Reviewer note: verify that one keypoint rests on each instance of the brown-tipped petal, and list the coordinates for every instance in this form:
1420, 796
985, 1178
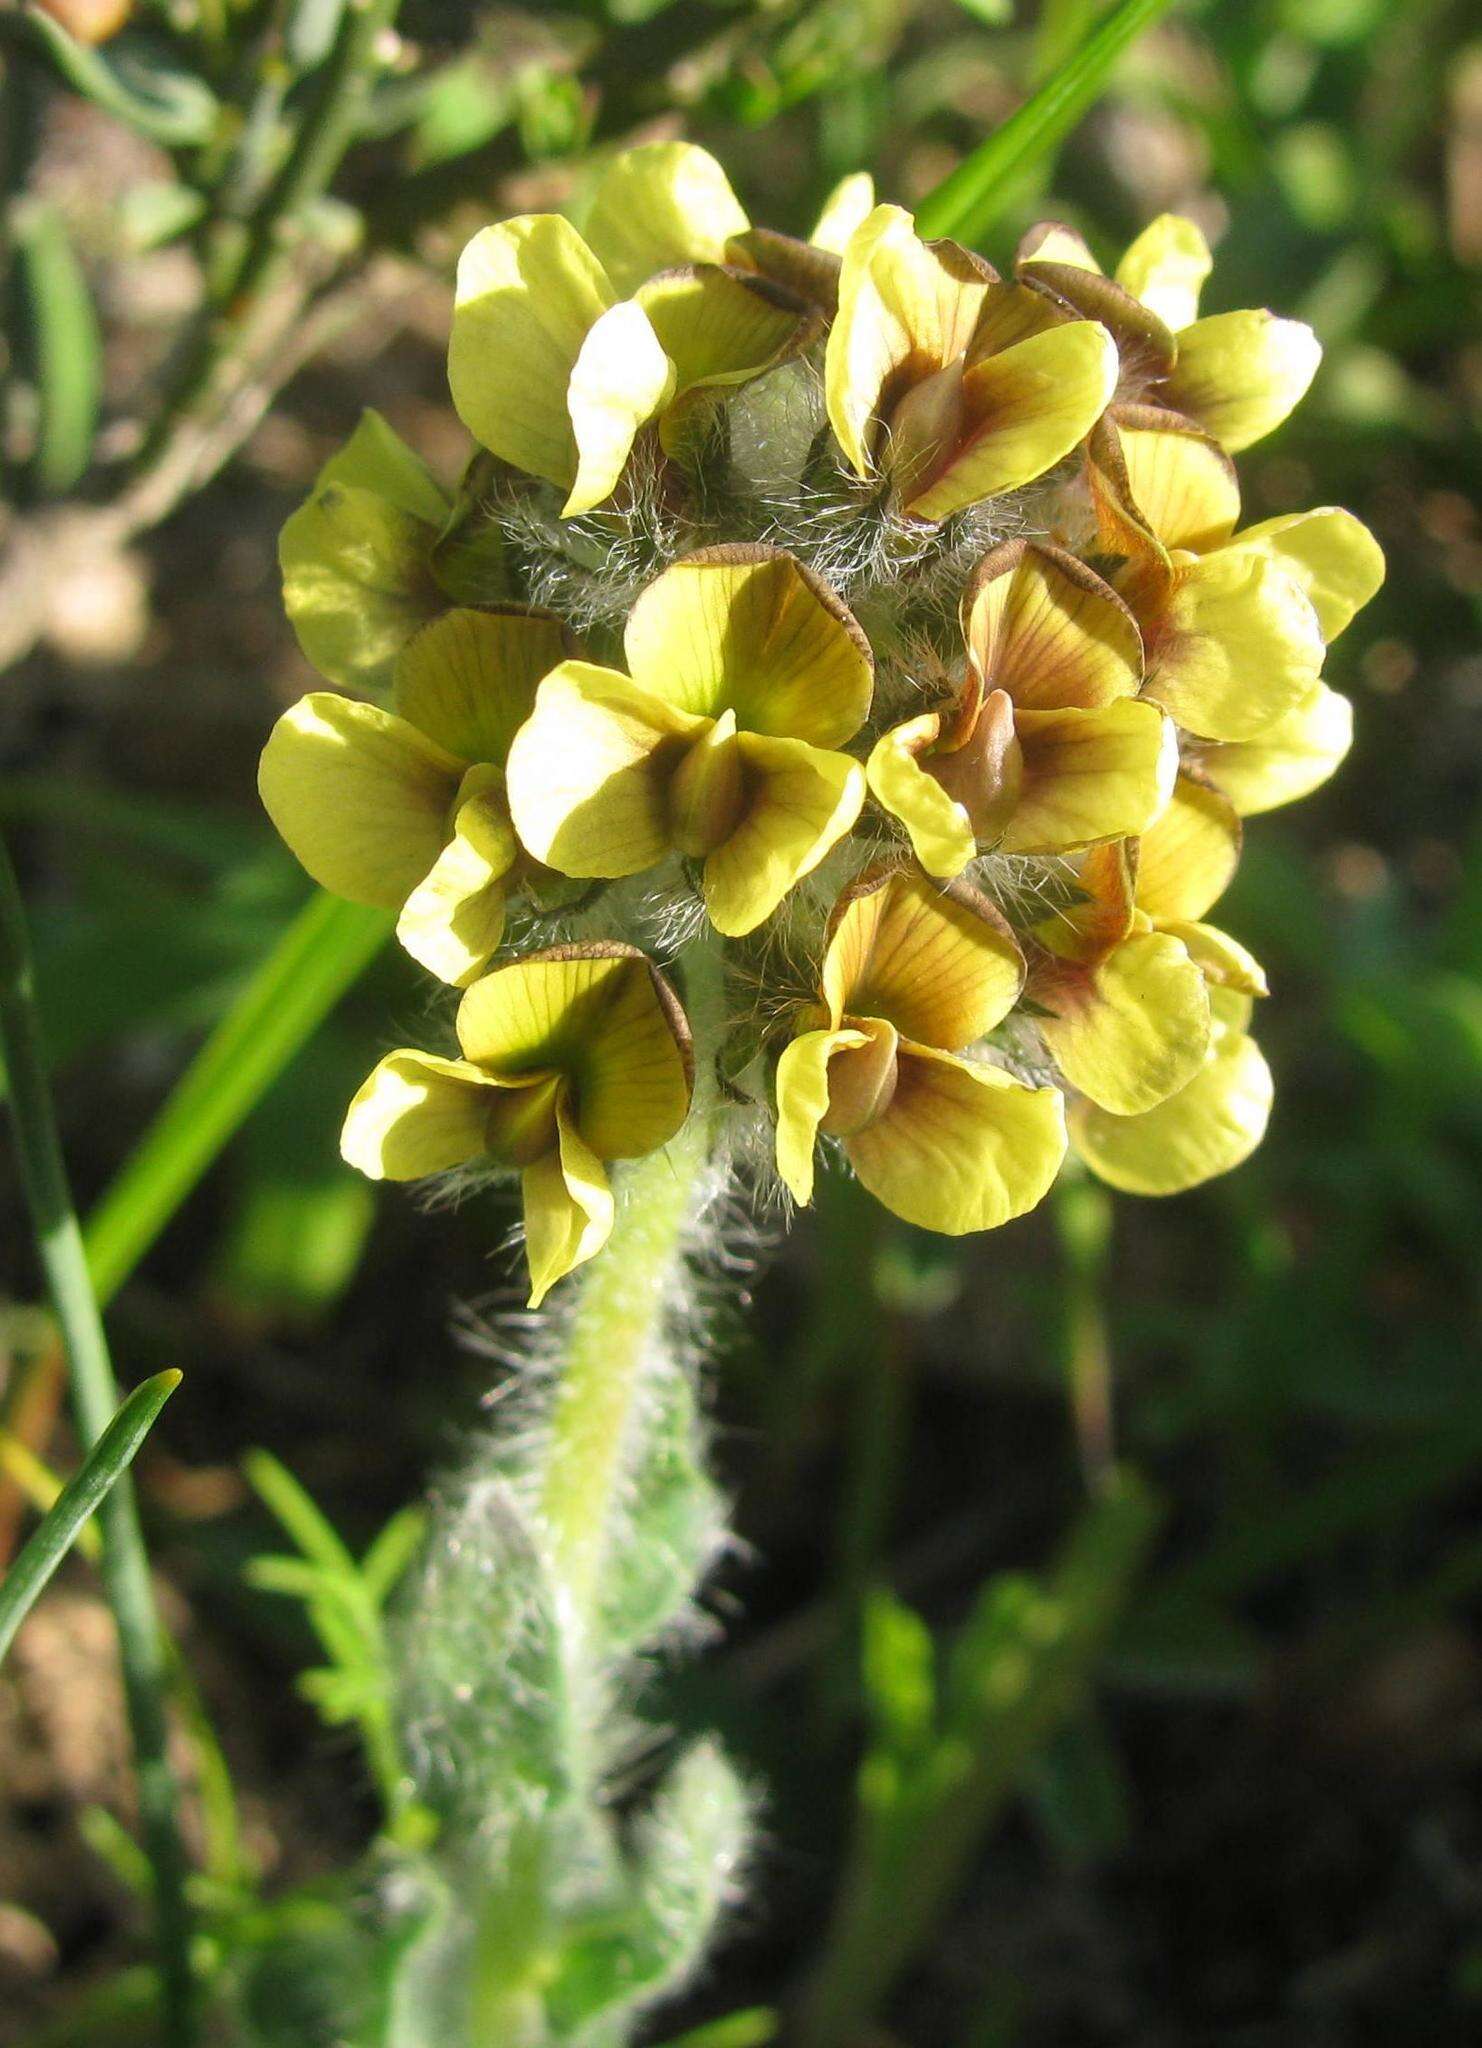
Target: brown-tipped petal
940, 965
1046, 629
1144, 342
1087, 929
800, 267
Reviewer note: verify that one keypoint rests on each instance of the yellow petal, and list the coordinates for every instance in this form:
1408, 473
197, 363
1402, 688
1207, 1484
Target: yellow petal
749, 629
454, 919
1088, 775
1187, 856
940, 831
1239, 374
1146, 348
851, 201
906, 309
619, 382
1051, 241
660, 204
360, 796
1289, 759
1024, 409
799, 803
1205, 1129
942, 967
375, 458
469, 679
1166, 267
589, 771
718, 327
568, 1209
802, 1103
962, 1146
1046, 629
603, 1017
1133, 1029
1181, 481
1222, 961
1233, 645
529, 291
1104, 915
357, 581
416, 1114
1329, 553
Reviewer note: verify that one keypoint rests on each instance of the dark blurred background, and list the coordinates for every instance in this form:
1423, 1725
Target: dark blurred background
1269, 1827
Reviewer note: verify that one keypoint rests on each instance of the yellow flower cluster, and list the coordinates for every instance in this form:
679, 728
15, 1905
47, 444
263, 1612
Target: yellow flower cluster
888, 617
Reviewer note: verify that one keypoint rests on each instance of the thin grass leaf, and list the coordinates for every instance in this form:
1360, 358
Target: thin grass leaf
326, 947
289, 1502
967, 201
110, 1457
754, 2028
62, 344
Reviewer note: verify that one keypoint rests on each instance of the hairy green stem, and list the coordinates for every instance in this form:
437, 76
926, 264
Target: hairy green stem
94, 1401
620, 1314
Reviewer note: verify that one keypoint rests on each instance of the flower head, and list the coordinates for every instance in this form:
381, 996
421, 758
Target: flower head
746, 674
878, 547
910, 976
1047, 747
406, 809
571, 1058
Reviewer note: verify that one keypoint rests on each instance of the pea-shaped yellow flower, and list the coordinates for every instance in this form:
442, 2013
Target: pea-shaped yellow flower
357, 557
1236, 624
912, 975
954, 384
1048, 747
570, 1058
1122, 981
564, 348
406, 809
746, 674
1208, 1127
1236, 375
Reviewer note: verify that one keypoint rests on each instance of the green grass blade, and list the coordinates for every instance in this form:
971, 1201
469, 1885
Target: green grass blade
968, 200
114, 1450
64, 348
59, 1246
326, 948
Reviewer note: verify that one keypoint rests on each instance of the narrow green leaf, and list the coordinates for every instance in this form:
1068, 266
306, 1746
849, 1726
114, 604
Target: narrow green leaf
110, 1456
63, 344
326, 947
278, 1490
754, 2028
969, 199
